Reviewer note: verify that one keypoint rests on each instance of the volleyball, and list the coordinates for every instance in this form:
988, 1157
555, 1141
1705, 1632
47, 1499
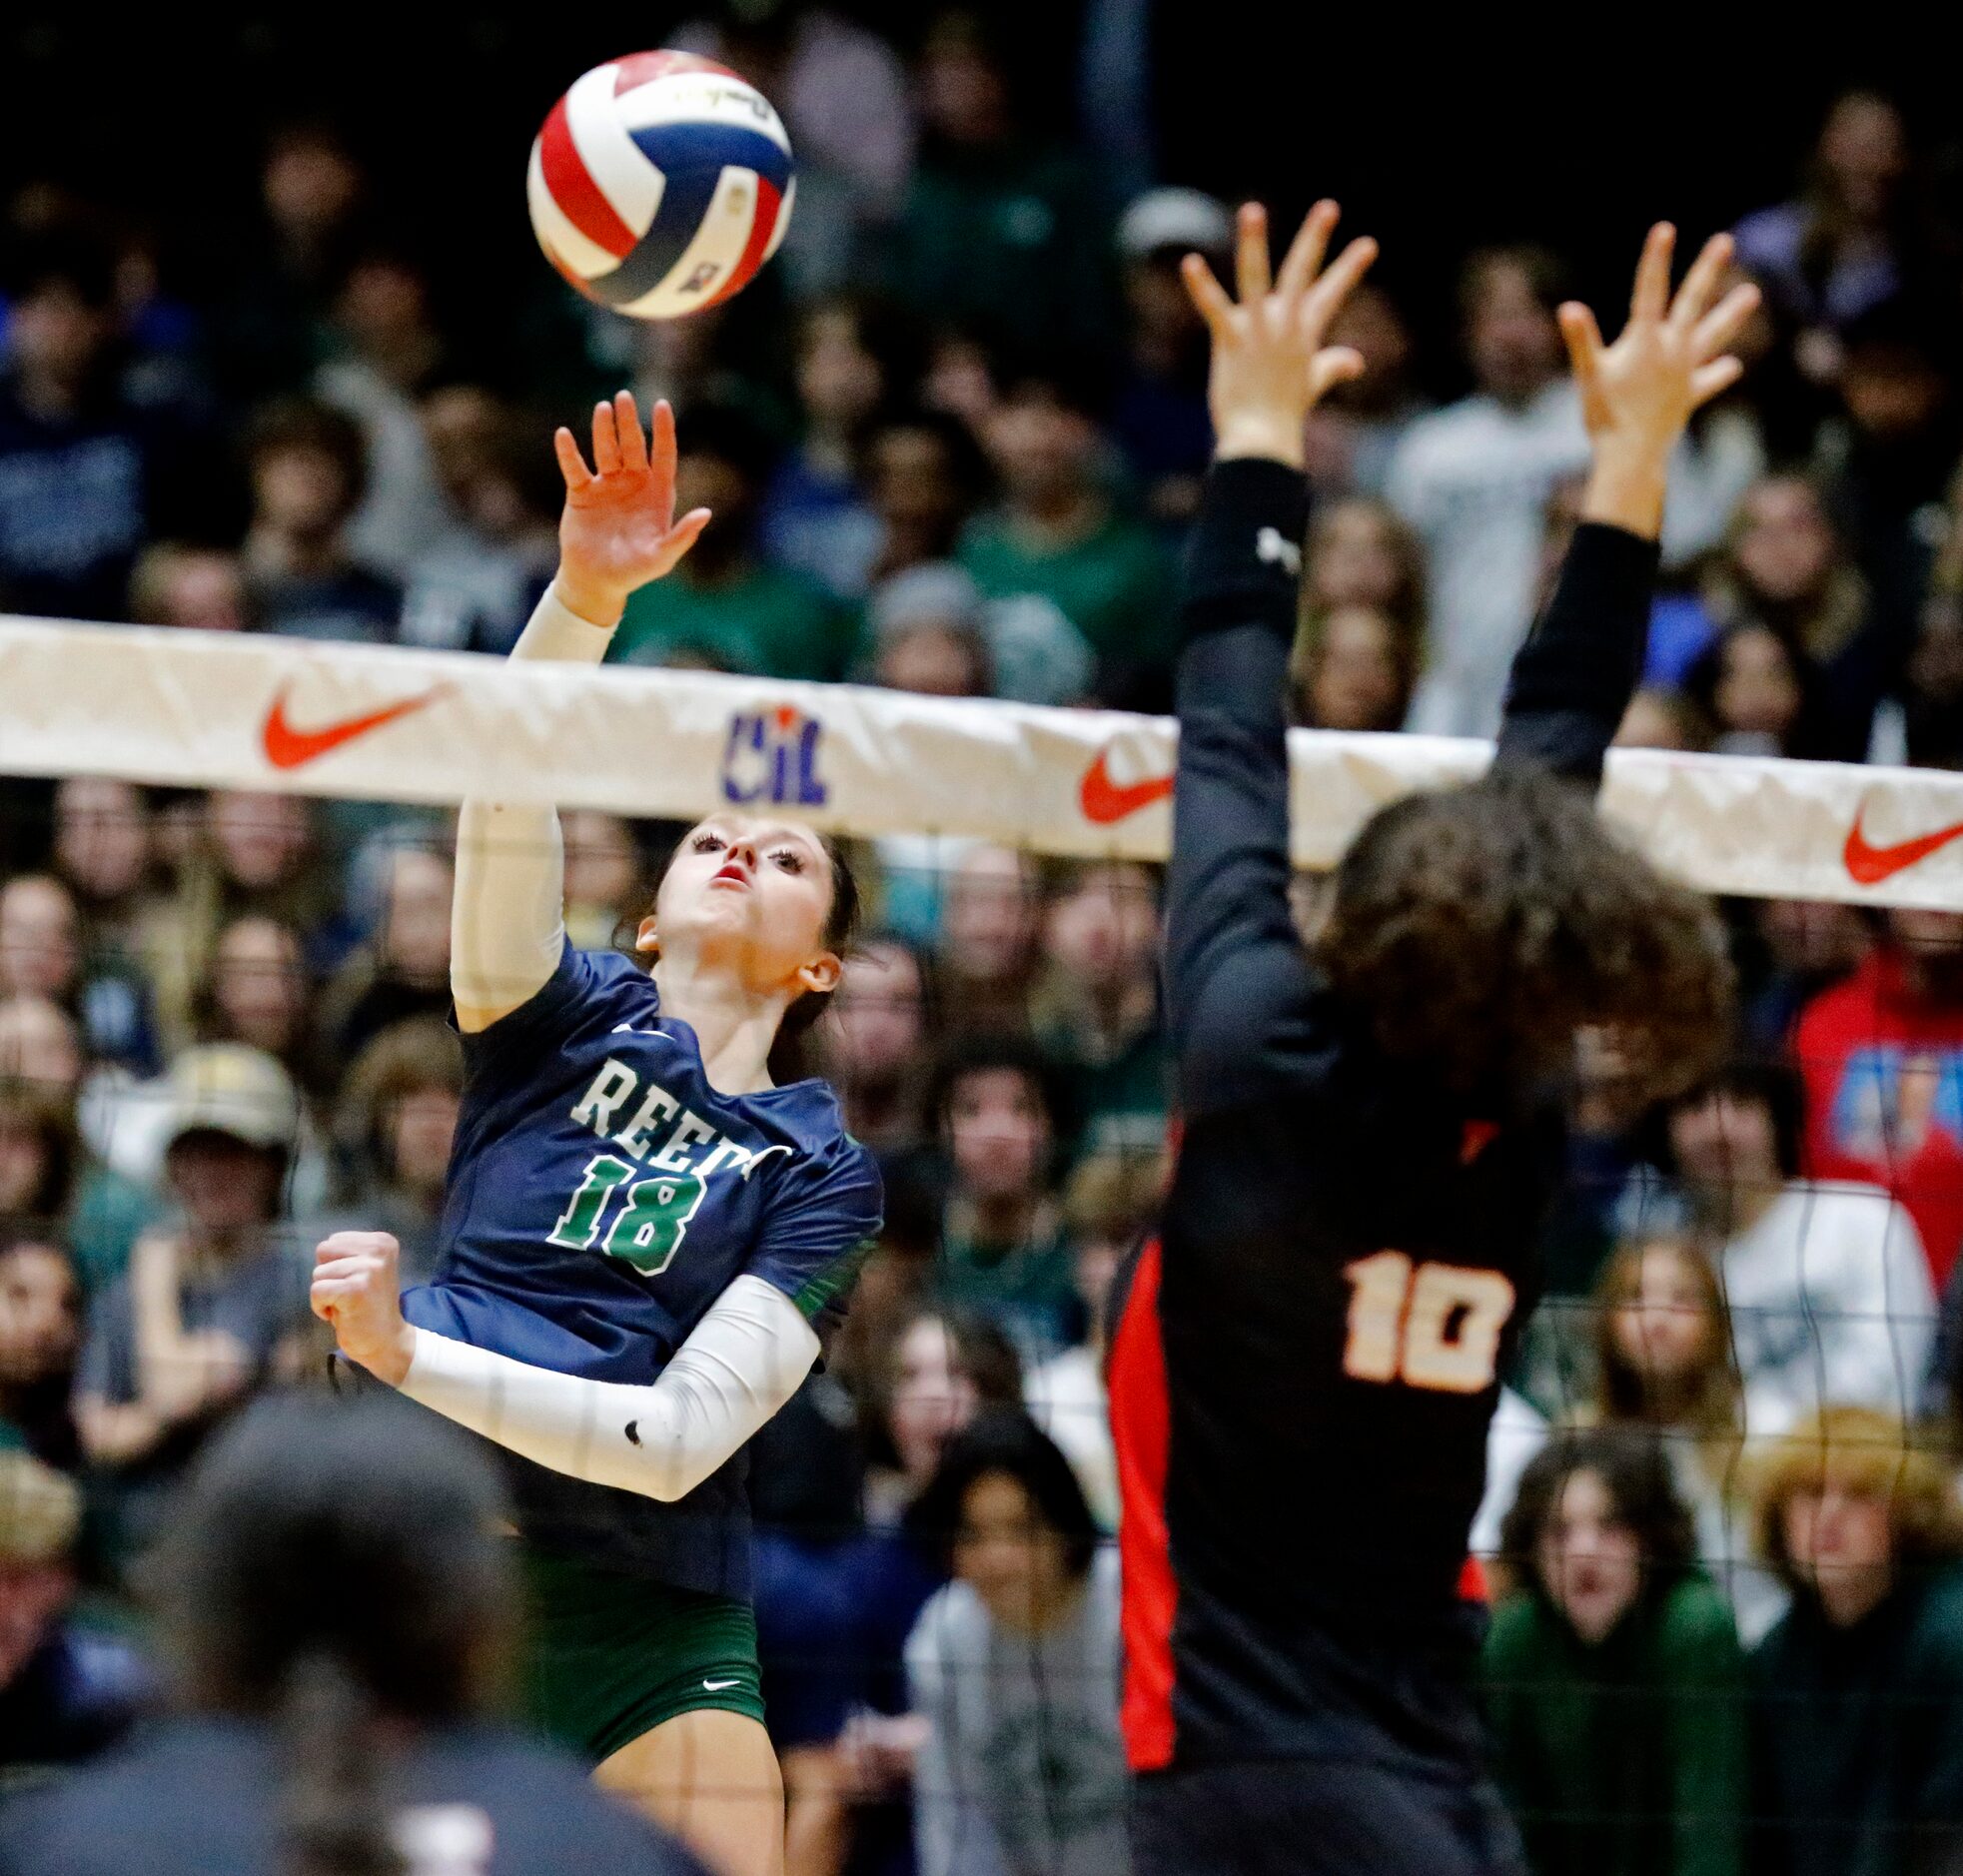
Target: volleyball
660, 183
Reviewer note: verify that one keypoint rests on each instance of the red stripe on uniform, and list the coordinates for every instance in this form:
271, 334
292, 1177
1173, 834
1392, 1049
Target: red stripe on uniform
770, 199
575, 190
1473, 1587
1141, 1428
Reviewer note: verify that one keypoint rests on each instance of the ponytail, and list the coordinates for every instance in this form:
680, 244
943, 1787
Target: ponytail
333, 1820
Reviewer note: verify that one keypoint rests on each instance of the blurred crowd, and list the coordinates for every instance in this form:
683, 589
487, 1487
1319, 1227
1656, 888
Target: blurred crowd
952, 440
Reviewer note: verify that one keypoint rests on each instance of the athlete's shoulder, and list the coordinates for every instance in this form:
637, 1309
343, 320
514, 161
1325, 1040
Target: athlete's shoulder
586, 990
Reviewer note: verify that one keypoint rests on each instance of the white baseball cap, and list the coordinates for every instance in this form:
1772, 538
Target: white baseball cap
227, 1088
1187, 219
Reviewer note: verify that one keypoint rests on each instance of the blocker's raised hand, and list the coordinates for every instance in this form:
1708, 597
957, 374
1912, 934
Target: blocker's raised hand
1673, 354
1270, 365
618, 530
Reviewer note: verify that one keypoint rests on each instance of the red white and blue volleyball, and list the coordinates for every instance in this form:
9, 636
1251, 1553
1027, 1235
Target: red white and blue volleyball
660, 183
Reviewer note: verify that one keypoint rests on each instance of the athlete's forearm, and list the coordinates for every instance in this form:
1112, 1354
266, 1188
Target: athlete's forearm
507, 914
1574, 675
740, 1364
1229, 867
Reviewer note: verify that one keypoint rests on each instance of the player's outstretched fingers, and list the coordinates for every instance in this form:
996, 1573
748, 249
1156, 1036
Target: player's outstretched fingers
661, 455
1209, 297
606, 442
1583, 340
1700, 284
571, 465
1725, 321
1651, 298
1304, 260
1333, 366
1719, 375
1251, 276
1325, 299
626, 427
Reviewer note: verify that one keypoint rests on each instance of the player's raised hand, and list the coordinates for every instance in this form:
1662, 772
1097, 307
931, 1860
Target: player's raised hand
1674, 356
357, 1292
1270, 365
619, 528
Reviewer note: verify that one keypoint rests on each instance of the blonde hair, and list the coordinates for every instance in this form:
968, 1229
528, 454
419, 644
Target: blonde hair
1869, 1454
1709, 1407
40, 1511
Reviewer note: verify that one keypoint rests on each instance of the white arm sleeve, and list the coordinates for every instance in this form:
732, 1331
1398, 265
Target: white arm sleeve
507, 914
740, 1364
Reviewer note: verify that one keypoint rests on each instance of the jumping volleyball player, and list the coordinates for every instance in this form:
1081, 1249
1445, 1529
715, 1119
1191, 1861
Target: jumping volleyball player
643, 1232
1305, 1367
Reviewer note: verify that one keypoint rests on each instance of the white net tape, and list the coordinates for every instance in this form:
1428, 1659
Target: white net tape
218, 710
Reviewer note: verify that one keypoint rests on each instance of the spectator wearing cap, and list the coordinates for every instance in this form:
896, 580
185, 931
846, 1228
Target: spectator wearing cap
66, 1694
212, 1300
725, 607
1159, 417
927, 633
1003, 1250
1059, 535
309, 469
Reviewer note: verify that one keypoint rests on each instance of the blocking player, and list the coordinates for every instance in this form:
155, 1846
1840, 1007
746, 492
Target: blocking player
1304, 1366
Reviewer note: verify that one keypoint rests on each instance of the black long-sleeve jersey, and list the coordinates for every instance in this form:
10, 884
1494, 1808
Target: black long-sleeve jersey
1303, 1365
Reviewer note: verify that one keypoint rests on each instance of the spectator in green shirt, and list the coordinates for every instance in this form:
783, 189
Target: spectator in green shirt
1001, 232
1003, 1247
725, 608
1059, 535
1095, 1010
1614, 1679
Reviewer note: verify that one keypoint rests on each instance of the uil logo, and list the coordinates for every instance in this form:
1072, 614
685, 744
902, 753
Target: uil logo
772, 755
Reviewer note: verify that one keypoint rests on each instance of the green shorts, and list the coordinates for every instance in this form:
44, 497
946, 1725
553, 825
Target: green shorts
609, 1656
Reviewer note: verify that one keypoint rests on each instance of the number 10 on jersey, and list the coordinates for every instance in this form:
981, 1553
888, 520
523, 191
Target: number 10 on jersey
1432, 1326
651, 1223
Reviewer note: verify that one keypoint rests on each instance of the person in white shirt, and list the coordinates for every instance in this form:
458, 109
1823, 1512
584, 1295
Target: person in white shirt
1474, 480
1013, 1668
1112, 1198
1827, 1284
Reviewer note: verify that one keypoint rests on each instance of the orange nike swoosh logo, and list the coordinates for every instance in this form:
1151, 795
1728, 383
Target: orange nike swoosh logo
1869, 866
1104, 800
287, 747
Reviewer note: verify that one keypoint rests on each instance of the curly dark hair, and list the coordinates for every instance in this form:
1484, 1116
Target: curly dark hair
1480, 927
1634, 1469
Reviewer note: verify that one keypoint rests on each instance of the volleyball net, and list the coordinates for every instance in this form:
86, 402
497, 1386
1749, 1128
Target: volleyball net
236, 840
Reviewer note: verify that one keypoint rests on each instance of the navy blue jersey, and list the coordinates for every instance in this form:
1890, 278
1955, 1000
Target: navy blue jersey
601, 1196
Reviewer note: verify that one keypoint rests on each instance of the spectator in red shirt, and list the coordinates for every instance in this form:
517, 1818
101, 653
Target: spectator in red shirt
1882, 1054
